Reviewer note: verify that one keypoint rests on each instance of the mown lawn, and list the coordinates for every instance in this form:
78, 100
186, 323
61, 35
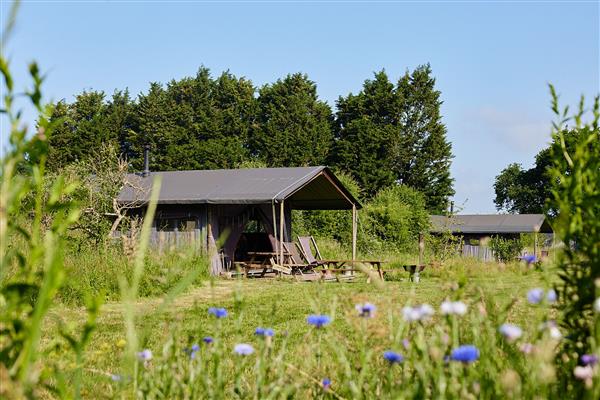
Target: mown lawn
284, 306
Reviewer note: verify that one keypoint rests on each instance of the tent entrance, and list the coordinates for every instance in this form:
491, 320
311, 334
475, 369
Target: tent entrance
255, 236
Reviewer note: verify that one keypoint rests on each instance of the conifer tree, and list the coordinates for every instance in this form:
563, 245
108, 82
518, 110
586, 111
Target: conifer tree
293, 127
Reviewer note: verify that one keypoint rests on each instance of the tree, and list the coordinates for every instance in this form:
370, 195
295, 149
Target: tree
293, 127
80, 129
403, 123
196, 123
526, 191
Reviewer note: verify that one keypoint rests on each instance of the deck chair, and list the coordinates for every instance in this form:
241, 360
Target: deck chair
307, 243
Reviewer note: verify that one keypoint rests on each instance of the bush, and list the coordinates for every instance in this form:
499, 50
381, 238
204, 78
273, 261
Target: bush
395, 217
506, 250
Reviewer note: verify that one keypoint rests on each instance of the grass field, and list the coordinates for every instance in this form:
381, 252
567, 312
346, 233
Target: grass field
284, 306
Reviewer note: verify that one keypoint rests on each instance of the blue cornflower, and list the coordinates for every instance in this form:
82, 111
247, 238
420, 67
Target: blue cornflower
243, 349
529, 258
218, 312
318, 320
535, 296
551, 296
366, 310
466, 353
207, 340
193, 350
264, 332
589, 359
326, 383
393, 357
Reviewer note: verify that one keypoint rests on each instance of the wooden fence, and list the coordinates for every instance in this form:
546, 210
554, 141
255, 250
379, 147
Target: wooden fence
482, 253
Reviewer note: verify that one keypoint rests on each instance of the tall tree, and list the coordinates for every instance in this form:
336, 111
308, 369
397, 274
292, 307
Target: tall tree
293, 127
526, 191
196, 123
404, 122
80, 129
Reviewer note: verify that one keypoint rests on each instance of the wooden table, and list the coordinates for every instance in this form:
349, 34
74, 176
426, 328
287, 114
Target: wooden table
338, 266
267, 260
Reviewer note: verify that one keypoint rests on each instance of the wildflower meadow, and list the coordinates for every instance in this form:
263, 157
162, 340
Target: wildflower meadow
524, 329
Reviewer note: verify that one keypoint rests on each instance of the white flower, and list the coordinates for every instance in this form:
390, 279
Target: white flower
510, 332
583, 373
417, 313
597, 305
555, 333
453, 307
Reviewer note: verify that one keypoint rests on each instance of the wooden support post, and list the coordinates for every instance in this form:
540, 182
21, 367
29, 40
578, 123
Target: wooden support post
281, 223
535, 244
274, 226
353, 234
421, 249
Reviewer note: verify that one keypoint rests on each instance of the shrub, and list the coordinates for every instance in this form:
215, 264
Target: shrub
506, 250
396, 216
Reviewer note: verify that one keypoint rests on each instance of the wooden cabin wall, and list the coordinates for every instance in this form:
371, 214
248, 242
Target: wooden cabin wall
180, 225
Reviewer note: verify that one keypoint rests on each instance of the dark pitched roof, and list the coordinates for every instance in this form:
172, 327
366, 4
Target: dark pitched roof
302, 187
490, 224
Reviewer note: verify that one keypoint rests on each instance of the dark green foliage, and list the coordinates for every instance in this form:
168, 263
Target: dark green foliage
195, 123
506, 250
388, 134
293, 126
576, 198
80, 131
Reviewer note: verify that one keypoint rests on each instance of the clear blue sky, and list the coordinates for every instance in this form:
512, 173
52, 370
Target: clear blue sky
492, 60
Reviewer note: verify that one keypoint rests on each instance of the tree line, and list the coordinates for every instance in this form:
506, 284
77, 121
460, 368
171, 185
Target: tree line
387, 134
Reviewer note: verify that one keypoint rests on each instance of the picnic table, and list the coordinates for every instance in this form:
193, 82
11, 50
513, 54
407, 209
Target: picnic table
266, 260
339, 266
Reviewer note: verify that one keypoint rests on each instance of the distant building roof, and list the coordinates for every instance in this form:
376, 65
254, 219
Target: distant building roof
490, 224
301, 187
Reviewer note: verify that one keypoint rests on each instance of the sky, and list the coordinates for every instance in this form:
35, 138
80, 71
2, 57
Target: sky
492, 60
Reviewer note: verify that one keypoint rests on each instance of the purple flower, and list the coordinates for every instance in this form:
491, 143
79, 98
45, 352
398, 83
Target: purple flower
406, 343
366, 310
207, 340
393, 357
466, 353
529, 258
589, 359
535, 296
326, 383
527, 348
551, 296
193, 350
264, 332
145, 355
318, 320
218, 312
116, 377
243, 349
